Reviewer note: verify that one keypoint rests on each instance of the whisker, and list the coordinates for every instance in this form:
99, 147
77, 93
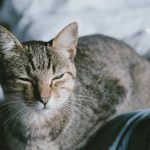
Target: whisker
8, 103
83, 96
6, 122
74, 103
11, 118
11, 107
76, 109
81, 99
16, 110
23, 111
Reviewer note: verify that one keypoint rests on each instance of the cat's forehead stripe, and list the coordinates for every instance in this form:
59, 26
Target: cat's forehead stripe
28, 70
36, 55
53, 68
48, 58
40, 56
30, 58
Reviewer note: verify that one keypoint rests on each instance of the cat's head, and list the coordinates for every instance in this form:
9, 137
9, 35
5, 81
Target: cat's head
39, 75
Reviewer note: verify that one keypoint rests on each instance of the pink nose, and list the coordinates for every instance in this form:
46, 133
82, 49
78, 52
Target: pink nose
45, 100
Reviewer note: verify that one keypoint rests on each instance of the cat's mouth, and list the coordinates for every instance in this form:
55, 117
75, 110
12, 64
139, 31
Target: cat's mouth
50, 105
36, 105
40, 108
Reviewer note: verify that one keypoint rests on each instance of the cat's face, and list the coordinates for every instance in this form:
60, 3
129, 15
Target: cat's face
40, 75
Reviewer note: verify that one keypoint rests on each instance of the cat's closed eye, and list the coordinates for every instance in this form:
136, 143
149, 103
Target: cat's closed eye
62, 79
58, 80
58, 77
23, 80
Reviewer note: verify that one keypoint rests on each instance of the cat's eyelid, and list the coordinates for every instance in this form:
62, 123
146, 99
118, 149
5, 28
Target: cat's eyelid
58, 77
62, 75
71, 74
24, 79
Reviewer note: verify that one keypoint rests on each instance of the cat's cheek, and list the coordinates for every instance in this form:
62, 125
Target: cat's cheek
28, 91
60, 94
53, 104
38, 106
64, 94
57, 101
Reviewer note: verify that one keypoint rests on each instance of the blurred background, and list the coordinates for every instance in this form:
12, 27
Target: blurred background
128, 20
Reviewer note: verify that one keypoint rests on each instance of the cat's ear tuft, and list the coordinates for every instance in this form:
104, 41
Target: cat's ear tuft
66, 40
9, 45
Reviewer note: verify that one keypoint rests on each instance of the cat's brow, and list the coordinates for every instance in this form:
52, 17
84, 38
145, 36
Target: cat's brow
23, 79
48, 58
71, 75
28, 70
30, 58
53, 68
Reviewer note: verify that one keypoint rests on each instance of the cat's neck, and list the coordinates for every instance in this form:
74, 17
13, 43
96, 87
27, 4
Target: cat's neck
38, 126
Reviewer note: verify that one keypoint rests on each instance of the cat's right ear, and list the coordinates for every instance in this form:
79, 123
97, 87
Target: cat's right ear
9, 45
66, 41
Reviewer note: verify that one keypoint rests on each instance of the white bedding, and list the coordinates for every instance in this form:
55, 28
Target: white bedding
42, 19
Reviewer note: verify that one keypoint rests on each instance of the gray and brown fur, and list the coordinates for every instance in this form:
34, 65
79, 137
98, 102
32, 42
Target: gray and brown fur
111, 79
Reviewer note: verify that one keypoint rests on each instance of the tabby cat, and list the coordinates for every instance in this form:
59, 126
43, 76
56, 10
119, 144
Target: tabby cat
48, 107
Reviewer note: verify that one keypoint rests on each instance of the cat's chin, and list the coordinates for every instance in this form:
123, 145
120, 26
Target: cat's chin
40, 108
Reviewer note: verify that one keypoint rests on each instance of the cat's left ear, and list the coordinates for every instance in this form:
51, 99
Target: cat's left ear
66, 41
9, 45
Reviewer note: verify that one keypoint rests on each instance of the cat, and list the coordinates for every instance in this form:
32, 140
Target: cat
59, 93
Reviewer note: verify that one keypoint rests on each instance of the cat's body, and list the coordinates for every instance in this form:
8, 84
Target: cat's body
111, 79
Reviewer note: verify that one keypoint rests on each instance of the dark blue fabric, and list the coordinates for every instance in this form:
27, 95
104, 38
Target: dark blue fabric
123, 139
130, 131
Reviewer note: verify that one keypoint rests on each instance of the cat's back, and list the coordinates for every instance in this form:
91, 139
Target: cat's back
100, 46
98, 52
100, 57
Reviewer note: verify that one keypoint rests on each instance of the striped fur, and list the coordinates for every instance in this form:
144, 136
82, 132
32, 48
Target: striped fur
48, 107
